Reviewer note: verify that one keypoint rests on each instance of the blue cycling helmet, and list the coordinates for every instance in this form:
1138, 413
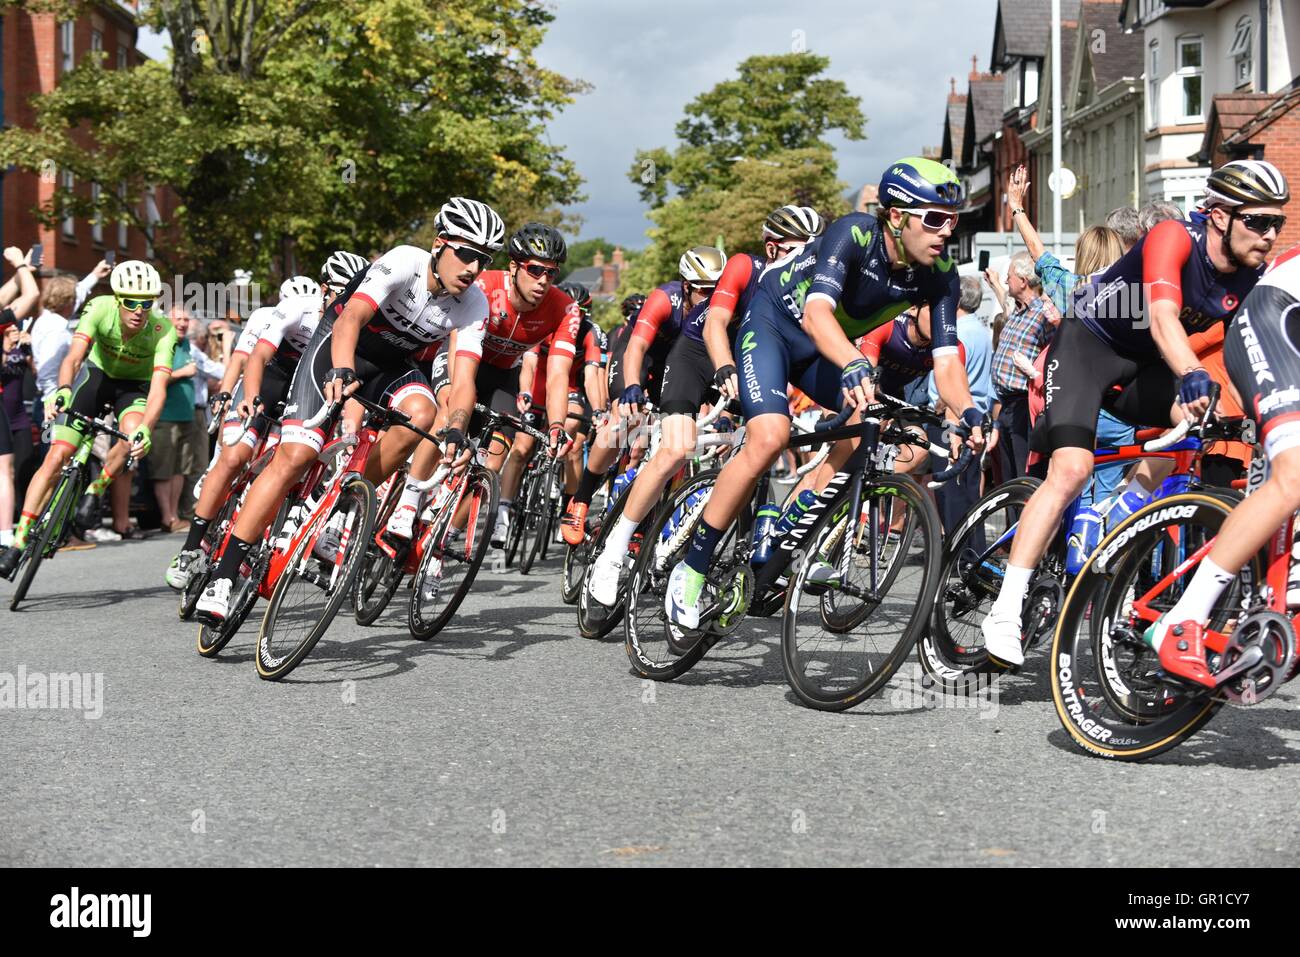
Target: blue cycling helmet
915, 181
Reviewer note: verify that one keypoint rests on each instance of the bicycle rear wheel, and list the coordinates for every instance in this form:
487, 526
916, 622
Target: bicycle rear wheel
380, 572
53, 525
452, 559
656, 648
311, 590
212, 537
212, 638
886, 587
594, 619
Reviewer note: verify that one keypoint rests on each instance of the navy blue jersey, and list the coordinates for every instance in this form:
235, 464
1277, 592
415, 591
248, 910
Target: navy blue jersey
734, 291
899, 361
1170, 263
849, 267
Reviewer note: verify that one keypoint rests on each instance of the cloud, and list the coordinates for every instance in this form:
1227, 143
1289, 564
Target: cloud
647, 61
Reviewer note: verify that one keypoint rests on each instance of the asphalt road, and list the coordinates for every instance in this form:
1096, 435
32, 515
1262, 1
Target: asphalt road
513, 741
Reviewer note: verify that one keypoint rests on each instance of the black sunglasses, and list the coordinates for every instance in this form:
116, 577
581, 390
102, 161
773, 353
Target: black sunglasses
470, 256
537, 272
1263, 222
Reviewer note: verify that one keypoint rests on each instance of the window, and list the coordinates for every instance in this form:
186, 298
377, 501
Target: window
1241, 53
121, 223
121, 57
96, 41
1011, 89
68, 184
66, 45
1153, 84
1189, 77
97, 220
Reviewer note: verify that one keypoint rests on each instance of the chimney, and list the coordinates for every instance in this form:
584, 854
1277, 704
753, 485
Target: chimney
598, 260
974, 68
608, 279
618, 257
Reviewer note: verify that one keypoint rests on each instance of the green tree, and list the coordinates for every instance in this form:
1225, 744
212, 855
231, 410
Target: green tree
288, 128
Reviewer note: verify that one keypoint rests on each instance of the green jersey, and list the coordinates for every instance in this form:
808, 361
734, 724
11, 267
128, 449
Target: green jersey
137, 358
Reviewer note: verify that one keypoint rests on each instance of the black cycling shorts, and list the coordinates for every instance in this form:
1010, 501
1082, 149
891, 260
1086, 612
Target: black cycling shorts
6, 434
651, 372
389, 385
92, 390
275, 389
1261, 352
1080, 377
687, 378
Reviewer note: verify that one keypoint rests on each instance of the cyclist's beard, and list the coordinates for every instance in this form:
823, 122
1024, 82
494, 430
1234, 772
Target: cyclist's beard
1226, 239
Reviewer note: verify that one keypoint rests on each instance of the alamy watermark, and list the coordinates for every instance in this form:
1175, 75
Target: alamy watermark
55, 690
973, 692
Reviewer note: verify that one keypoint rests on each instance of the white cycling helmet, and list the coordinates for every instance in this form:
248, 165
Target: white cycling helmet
339, 269
299, 286
134, 277
702, 265
472, 221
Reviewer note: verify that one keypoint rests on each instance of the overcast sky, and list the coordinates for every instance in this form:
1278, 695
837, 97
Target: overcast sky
647, 60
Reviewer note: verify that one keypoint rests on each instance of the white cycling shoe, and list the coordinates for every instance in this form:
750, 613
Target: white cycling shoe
215, 600
401, 524
605, 572
500, 531
1002, 638
682, 599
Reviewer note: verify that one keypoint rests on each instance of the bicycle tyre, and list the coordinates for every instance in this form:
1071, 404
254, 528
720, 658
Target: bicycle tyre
530, 547
360, 495
53, 524
193, 589
596, 623
212, 638
380, 574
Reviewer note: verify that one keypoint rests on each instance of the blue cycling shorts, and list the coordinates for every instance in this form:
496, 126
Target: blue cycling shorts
771, 352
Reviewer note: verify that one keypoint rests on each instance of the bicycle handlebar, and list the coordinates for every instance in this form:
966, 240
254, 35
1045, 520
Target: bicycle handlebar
1179, 432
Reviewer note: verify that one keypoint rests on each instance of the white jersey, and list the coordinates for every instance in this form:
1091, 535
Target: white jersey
408, 317
291, 326
252, 331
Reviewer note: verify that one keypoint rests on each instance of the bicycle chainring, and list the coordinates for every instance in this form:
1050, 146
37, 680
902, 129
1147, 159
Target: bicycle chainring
1273, 635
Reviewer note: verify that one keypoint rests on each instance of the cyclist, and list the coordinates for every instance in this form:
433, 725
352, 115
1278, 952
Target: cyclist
689, 372
407, 299
636, 369
862, 272
526, 307
121, 355
1132, 328
281, 338
533, 378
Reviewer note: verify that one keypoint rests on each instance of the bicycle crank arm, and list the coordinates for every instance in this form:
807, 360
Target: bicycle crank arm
1249, 659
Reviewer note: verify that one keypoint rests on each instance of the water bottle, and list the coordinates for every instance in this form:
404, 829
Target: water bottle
681, 513
1116, 510
1085, 533
765, 520
790, 519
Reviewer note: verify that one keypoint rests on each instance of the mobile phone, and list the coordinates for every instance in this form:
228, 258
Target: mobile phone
984, 260
38, 250
110, 257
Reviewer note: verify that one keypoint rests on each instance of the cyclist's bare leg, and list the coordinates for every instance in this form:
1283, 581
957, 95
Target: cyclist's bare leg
230, 461
43, 482
513, 471
765, 437
677, 441
396, 445
269, 490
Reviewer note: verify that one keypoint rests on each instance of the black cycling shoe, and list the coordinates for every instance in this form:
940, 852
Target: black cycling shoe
9, 560
89, 513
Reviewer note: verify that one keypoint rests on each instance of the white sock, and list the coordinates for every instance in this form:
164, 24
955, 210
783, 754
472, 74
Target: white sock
1198, 601
503, 511
410, 495
6, 537
1015, 583
1133, 485
620, 536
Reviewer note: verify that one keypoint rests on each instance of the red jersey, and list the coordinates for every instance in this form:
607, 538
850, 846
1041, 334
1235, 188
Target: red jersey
509, 334
590, 346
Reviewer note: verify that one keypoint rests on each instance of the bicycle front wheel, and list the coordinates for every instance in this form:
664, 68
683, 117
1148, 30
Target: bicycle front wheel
883, 584
453, 557
312, 589
46, 538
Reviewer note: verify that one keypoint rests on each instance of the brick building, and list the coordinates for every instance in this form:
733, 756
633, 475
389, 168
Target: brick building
601, 277
36, 49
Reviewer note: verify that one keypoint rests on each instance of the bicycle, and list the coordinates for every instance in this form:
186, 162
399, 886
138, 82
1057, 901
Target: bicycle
308, 584
54, 527
976, 555
1108, 688
846, 529
465, 509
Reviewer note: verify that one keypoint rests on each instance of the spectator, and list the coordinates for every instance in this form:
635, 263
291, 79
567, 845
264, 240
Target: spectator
51, 332
1031, 318
1125, 222
957, 497
208, 369
18, 299
1157, 211
172, 457
87, 285
15, 369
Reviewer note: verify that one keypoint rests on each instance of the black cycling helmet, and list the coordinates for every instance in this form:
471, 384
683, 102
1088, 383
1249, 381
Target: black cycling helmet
632, 305
537, 241
578, 293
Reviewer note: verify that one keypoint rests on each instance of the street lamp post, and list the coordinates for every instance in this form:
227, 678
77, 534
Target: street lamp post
1056, 125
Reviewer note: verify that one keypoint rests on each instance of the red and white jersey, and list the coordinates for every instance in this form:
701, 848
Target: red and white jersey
408, 316
257, 322
509, 333
291, 326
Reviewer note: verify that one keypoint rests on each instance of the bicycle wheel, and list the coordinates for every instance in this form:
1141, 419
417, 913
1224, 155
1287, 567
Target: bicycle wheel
50, 531
212, 638
533, 535
381, 573
453, 558
311, 590
212, 538
594, 619
573, 571
887, 588
974, 561
656, 648
515, 536
896, 526
1107, 686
